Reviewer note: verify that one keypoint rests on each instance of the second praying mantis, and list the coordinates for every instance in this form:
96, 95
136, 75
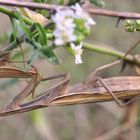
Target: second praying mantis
62, 93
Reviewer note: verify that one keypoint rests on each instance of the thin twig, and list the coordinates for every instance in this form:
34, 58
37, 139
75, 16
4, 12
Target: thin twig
30, 5
130, 117
111, 13
111, 134
95, 11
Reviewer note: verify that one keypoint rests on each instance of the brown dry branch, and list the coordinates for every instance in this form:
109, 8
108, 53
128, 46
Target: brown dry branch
128, 123
95, 11
130, 117
111, 13
114, 132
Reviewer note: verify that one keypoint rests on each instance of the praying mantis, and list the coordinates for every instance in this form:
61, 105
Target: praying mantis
63, 94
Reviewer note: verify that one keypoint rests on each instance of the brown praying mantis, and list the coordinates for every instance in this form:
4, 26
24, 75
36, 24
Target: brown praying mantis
63, 94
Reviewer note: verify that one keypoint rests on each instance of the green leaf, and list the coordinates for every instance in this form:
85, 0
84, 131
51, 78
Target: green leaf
50, 56
132, 25
42, 34
99, 3
46, 53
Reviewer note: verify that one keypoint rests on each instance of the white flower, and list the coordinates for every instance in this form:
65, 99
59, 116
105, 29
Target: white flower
78, 52
64, 30
80, 13
65, 25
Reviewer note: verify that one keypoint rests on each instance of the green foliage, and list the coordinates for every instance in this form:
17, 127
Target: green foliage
49, 54
132, 25
42, 38
43, 12
40, 34
36, 36
99, 3
81, 32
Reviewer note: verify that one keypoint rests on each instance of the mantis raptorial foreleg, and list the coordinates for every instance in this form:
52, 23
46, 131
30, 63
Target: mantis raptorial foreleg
16, 105
14, 72
7, 71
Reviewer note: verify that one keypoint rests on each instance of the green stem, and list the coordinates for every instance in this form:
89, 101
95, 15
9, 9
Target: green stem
12, 14
129, 58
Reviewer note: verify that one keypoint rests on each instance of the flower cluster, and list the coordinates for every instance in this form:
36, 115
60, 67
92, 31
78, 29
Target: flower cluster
71, 27
80, 14
64, 27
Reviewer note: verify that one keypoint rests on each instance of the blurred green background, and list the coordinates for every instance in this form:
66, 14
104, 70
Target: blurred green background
75, 122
